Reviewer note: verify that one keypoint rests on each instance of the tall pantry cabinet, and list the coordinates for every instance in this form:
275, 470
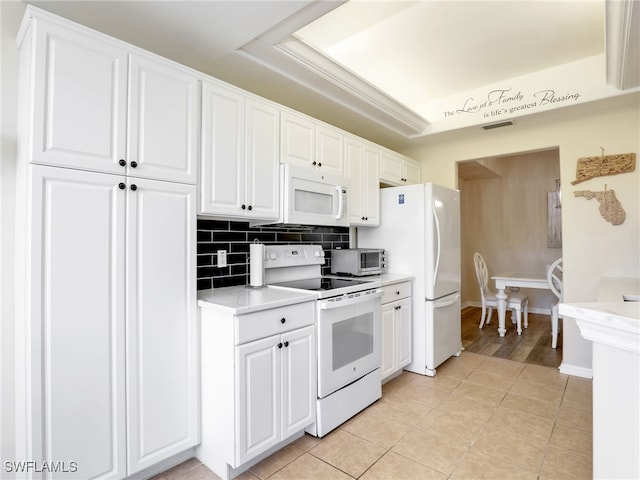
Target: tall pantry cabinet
106, 303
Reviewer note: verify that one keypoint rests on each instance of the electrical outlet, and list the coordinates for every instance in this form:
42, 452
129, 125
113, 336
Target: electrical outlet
222, 258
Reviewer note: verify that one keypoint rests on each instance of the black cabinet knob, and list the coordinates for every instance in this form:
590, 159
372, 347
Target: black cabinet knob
134, 164
319, 164
243, 206
397, 292
122, 162
314, 163
286, 344
282, 320
280, 345
134, 187
122, 186
249, 207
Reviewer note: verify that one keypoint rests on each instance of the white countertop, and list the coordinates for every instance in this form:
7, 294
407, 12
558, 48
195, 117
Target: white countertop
611, 320
243, 299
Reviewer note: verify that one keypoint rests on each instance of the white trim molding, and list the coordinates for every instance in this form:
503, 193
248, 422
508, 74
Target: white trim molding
623, 43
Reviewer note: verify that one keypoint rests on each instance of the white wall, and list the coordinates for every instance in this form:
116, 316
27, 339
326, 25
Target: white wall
592, 248
10, 17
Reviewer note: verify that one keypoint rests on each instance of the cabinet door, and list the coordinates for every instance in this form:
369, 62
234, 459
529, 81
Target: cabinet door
258, 397
163, 121
161, 332
371, 186
223, 166
412, 172
387, 353
403, 333
77, 322
79, 100
298, 380
262, 160
354, 165
391, 168
297, 140
330, 150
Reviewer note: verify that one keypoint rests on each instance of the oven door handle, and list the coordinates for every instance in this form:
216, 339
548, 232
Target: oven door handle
343, 302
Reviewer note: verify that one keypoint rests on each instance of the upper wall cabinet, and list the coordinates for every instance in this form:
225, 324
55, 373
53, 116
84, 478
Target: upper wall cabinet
362, 167
396, 169
164, 121
87, 88
311, 144
240, 155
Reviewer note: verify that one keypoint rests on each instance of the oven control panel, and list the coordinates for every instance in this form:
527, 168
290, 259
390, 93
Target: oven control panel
276, 256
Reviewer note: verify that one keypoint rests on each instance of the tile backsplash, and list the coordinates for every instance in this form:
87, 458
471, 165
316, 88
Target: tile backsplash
235, 237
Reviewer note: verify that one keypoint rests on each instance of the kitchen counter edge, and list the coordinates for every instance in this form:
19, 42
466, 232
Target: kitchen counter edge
242, 299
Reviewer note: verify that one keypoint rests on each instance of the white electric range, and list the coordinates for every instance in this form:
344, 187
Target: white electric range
347, 326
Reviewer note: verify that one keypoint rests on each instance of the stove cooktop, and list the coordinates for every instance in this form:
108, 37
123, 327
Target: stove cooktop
321, 283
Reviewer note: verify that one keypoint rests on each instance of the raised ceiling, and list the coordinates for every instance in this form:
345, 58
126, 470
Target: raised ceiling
372, 67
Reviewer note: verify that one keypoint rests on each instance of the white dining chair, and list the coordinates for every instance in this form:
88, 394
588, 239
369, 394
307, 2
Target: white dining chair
518, 303
554, 279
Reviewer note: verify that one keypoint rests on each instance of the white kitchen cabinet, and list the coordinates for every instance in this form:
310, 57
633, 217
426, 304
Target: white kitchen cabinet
161, 322
71, 323
274, 390
265, 362
330, 150
396, 328
396, 169
164, 120
309, 143
111, 372
240, 155
106, 300
95, 104
362, 169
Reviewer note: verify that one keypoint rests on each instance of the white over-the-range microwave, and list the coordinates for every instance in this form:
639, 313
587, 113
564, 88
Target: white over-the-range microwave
311, 197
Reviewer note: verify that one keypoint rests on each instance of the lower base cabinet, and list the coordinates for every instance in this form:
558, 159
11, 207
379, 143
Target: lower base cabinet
258, 383
396, 328
106, 326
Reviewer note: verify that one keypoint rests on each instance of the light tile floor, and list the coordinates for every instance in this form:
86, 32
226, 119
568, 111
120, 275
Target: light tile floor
478, 418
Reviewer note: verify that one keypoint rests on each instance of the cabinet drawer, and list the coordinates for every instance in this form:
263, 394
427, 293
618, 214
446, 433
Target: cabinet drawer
253, 326
391, 293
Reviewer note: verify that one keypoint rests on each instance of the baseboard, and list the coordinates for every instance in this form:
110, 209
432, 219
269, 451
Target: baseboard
576, 371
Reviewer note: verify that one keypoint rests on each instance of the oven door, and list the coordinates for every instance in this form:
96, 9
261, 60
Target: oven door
348, 339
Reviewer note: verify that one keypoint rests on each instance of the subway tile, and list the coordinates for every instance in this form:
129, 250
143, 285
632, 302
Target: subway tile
291, 237
207, 224
203, 235
236, 236
239, 226
204, 260
229, 236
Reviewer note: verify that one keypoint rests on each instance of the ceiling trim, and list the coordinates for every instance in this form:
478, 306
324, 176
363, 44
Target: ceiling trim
622, 25
279, 50
317, 62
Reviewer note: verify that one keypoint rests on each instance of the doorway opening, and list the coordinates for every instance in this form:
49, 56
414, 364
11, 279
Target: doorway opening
510, 212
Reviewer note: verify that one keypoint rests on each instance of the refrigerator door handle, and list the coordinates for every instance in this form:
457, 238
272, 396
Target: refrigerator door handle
445, 303
435, 219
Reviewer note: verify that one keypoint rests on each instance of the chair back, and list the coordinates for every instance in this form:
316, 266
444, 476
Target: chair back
482, 274
554, 278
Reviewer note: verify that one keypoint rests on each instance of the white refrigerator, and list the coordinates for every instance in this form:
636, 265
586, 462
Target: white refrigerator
420, 232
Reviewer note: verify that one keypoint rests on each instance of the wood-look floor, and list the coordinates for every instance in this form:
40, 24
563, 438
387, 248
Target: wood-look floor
533, 346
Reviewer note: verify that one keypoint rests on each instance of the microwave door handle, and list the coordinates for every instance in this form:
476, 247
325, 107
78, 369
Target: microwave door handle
340, 202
